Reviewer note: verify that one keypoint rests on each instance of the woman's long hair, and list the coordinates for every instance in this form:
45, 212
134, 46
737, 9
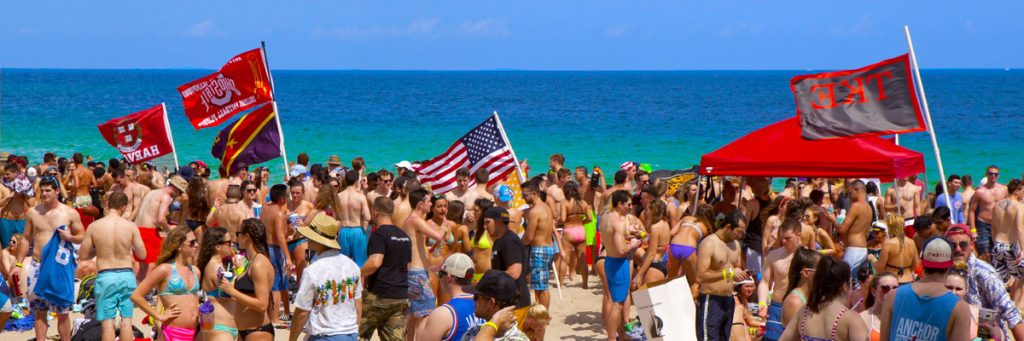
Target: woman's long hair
257, 233
772, 209
169, 249
198, 205
456, 210
433, 205
483, 204
830, 276
895, 225
327, 198
705, 215
571, 190
803, 259
208, 247
869, 301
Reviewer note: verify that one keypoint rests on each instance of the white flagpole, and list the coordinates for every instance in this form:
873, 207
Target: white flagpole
931, 127
558, 280
273, 104
167, 125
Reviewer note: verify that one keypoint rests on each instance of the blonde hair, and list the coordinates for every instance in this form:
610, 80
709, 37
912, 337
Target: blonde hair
895, 223
537, 312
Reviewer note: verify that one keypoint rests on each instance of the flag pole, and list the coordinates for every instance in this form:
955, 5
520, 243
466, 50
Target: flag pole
273, 104
167, 125
928, 120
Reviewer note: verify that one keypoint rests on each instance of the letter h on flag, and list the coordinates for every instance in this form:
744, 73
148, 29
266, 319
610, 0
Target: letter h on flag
253, 138
878, 99
240, 84
482, 147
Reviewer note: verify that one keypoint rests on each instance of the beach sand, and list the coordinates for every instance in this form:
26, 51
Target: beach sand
575, 316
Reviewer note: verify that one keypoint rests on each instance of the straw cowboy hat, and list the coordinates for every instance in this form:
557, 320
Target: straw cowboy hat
323, 230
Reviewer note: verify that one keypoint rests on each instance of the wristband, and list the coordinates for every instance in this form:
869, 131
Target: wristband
725, 274
18, 264
974, 231
492, 325
761, 304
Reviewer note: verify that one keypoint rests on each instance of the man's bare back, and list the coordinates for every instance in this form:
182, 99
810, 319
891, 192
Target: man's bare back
540, 226
112, 240
401, 213
84, 180
1007, 219
354, 209
854, 230
230, 217
153, 210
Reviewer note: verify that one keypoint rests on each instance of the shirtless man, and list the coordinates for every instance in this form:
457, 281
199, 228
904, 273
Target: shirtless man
854, 230
422, 298
968, 192
112, 240
15, 194
40, 223
82, 181
403, 186
554, 191
482, 176
540, 230
250, 197
903, 198
354, 217
718, 268
134, 191
218, 188
1008, 232
619, 229
383, 189
462, 192
229, 214
775, 278
980, 216
275, 217
152, 221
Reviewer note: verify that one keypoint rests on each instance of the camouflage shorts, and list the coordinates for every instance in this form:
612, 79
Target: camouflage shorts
384, 315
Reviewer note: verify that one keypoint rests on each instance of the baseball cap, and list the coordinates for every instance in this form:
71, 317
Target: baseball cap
187, 173
495, 284
956, 229
503, 193
458, 265
404, 164
937, 254
497, 213
200, 163
297, 170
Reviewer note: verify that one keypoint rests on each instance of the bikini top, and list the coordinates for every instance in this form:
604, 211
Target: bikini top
451, 237
577, 210
700, 234
176, 285
244, 284
799, 294
803, 325
483, 243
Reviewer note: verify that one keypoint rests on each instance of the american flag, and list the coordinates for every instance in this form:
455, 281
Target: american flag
482, 147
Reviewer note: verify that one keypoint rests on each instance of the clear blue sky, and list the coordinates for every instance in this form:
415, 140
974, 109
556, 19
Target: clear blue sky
535, 35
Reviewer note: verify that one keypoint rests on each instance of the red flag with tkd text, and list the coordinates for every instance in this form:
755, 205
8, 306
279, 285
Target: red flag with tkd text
141, 136
240, 84
878, 99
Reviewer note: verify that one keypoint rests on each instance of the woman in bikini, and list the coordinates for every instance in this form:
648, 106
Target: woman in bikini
899, 253
573, 212
801, 274
826, 317
178, 284
456, 212
437, 251
215, 248
652, 268
744, 326
822, 240
251, 291
196, 211
771, 219
881, 284
682, 247
481, 243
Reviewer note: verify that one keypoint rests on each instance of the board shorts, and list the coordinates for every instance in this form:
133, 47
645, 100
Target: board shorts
113, 291
773, 328
353, 240
421, 297
6, 293
983, 244
82, 201
540, 266
855, 257
591, 230
1003, 256
36, 302
714, 317
151, 238
616, 271
8, 227
278, 260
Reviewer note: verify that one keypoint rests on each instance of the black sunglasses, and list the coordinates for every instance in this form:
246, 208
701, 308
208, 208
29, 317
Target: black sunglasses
250, 190
962, 245
993, 173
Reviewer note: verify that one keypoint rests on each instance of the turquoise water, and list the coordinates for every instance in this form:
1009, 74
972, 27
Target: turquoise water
667, 119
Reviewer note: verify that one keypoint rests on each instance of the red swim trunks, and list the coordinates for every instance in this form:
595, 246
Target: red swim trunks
150, 237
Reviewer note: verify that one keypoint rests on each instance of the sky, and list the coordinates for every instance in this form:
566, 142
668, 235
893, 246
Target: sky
528, 35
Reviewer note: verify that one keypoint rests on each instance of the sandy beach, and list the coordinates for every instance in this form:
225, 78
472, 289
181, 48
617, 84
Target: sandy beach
576, 316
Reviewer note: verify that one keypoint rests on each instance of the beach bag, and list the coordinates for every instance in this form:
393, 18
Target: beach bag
86, 289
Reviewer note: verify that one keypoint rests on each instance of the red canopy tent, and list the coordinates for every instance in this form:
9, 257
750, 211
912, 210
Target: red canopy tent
778, 150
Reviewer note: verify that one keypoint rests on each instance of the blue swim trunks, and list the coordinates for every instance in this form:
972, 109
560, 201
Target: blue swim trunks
540, 266
774, 328
278, 260
113, 291
353, 240
616, 270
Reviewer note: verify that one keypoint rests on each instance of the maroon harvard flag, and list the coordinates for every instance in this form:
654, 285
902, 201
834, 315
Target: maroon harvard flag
878, 99
240, 84
140, 136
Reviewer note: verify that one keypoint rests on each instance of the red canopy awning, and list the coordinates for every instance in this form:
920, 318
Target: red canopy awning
778, 150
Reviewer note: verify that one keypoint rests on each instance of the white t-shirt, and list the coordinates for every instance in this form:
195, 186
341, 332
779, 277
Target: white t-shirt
329, 290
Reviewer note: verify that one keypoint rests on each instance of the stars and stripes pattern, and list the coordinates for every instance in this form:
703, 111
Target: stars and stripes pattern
482, 147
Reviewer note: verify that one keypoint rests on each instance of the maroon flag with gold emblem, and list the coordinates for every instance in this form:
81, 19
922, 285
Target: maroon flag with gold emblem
141, 136
240, 84
878, 99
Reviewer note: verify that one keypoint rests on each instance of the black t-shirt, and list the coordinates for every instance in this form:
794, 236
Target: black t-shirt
391, 279
509, 250
752, 239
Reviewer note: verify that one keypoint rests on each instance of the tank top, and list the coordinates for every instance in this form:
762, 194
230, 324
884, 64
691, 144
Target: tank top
462, 310
872, 201
920, 317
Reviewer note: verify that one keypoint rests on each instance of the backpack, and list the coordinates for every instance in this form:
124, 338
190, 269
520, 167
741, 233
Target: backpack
86, 290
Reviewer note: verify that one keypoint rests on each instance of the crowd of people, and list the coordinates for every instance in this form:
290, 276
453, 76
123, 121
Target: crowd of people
345, 253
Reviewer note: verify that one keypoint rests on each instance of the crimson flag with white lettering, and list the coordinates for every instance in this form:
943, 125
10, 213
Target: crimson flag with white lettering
878, 99
240, 84
141, 136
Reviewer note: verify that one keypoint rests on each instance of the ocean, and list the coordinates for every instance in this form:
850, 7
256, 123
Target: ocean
667, 119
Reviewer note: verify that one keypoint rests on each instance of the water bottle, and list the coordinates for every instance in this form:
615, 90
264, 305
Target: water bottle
842, 216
